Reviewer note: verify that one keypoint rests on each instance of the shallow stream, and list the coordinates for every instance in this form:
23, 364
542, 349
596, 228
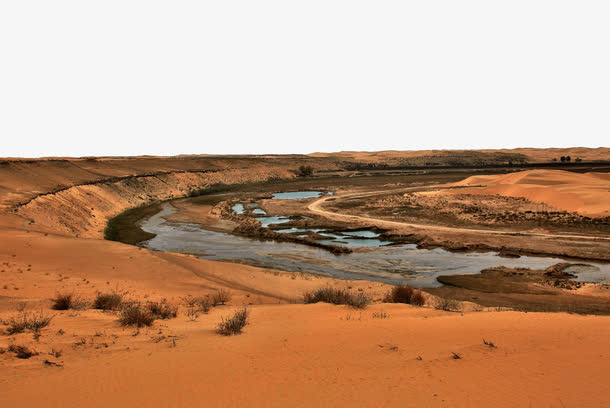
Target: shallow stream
372, 260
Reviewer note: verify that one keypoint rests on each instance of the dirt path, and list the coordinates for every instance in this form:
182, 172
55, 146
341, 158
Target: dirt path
317, 208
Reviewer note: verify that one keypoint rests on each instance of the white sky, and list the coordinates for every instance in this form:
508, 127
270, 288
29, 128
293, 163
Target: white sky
169, 77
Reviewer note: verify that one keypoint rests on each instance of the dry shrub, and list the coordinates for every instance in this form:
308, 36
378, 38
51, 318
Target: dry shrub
108, 301
448, 305
418, 298
162, 310
202, 303
21, 351
27, 321
405, 294
234, 324
221, 297
337, 297
65, 301
134, 314
399, 294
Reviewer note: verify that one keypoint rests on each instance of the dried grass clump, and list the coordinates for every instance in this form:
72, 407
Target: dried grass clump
134, 314
162, 310
221, 297
21, 351
234, 324
448, 305
337, 297
201, 303
65, 301
27, 321
108, 301
405, 294
418, 298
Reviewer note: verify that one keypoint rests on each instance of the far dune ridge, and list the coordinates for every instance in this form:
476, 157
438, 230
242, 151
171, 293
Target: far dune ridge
587, 194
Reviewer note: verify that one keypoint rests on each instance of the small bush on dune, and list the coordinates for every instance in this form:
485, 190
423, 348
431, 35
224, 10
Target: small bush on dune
135, 314
418, 298
405, 294
448, 305
162, 310
202, 303
65, 301
21, 351
220, 297
234, 324
108, 301
399, 294
337, 297
27, 321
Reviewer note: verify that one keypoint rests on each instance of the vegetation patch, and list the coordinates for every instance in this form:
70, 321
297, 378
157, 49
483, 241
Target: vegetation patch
124, 227
108, 301
136, 315
405, 294
66, 301
337, 296
22, 351
234, 324
27, 321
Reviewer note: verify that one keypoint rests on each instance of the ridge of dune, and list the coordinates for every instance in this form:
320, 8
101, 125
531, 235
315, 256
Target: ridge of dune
587, 194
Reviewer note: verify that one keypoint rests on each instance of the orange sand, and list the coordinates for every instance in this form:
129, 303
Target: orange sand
588, 194
290, 355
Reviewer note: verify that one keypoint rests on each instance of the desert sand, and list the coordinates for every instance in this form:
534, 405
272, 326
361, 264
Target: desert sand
52, 216
587, 194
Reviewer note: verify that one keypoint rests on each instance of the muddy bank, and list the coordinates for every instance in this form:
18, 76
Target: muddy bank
545, 290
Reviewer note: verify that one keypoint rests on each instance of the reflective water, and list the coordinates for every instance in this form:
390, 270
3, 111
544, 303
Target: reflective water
396, 264
238, 209
297, 195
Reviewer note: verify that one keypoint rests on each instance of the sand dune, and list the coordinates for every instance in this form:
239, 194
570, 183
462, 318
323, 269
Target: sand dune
587, 194
532, 155
290, 354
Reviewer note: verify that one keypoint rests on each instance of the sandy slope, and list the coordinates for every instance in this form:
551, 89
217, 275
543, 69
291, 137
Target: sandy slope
530, 154
290, 354
588, 194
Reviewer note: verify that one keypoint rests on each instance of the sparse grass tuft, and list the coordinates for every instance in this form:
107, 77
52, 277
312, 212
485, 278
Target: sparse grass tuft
400, 294
202, 303
456, 356
380, 315
134, 314
418, 298
405, 294
234, 324
27, 321
21, 351
448, 305
108, 301
162, 310
337, 297
221, 297
489, 343
65, 301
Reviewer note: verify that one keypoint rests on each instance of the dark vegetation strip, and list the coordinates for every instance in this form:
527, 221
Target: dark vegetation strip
124, 227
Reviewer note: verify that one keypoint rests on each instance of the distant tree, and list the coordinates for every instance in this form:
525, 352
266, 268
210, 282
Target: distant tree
578, 160
568, 159
554, 159
305, 171
563, 159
